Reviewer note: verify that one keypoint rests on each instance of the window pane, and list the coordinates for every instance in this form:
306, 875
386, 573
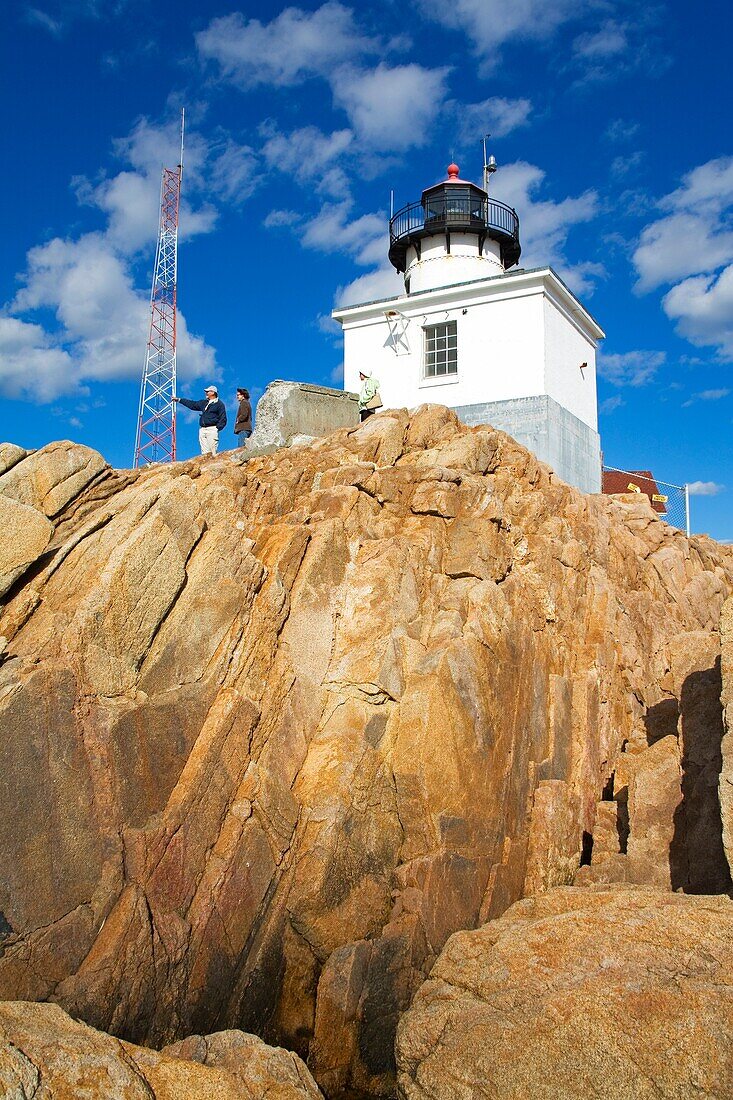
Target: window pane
441, 350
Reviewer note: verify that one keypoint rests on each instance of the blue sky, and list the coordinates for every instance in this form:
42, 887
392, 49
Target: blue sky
611, 124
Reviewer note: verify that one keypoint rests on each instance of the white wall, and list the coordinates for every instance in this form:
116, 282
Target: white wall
565, 349
500, 354
517, 338
436, 268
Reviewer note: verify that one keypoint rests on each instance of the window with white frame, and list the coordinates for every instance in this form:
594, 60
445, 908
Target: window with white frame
441, 350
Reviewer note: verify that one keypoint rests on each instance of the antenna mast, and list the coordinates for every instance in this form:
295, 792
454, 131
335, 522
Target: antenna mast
155, 440
490, 165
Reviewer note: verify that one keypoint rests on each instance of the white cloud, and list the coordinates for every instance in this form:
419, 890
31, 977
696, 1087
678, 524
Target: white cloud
382, 283
131, 199
32, 367
630, 368
712, 395
610, 405
295, 45
149, 146
328, 325
101, 319
703, 309
43, 19
235, 173
706, 395
390, 107
309, 155
705, 488
680, 245
366, 238
277, 219
691, 245
619, 48
709, 186
544, 225
491, 23
83, 281
609, 40
626, 163
132, 204
620, 129
582, 277
694, 237
68, 11
495, 115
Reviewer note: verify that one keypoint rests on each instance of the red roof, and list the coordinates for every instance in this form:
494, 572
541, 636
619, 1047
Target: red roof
635, 481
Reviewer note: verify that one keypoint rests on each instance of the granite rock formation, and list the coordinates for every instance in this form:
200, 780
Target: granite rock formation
274, 729
46, 1054
726, 762
575, 994
659, 821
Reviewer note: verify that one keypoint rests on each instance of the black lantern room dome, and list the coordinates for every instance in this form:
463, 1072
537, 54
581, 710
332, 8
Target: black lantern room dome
454, 206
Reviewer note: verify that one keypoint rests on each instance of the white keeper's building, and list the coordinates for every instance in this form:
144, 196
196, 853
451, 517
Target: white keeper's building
511, 348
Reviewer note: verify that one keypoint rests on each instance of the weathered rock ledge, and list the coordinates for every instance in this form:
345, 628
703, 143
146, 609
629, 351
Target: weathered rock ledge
574, 994
44, 1053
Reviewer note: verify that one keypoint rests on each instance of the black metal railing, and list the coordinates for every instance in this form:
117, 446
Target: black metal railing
437, 213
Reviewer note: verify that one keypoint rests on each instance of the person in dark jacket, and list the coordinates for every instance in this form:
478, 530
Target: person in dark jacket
213, 418
243, 423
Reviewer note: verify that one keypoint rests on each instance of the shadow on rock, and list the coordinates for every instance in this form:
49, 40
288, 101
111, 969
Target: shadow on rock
697, 859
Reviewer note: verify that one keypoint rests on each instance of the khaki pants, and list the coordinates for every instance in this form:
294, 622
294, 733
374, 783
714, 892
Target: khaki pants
209, 440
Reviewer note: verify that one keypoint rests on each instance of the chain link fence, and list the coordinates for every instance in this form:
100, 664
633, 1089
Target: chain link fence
670, 502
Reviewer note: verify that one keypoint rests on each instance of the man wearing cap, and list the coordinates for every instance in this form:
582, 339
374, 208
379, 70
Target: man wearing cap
212, 420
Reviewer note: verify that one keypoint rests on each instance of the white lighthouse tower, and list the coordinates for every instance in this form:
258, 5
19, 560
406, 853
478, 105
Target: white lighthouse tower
498, 344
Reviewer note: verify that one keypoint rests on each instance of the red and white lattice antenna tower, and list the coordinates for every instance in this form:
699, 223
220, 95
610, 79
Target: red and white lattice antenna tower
155, 440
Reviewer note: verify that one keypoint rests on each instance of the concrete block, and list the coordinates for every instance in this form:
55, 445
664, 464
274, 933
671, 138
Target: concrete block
288, 411
553, 434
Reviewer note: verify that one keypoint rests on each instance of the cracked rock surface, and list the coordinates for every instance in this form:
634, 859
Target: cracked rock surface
273, 730
45, 1055
575, 994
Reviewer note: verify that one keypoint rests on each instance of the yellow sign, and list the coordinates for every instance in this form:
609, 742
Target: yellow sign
660, 498
633, 488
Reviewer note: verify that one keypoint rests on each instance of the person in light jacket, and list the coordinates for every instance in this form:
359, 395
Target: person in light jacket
369, 399
243, 423
213, 419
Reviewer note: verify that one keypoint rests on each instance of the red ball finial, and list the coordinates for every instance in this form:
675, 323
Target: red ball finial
453, 171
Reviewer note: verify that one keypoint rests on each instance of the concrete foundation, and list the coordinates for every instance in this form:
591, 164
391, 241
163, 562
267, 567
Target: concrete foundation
290, 411
553, 434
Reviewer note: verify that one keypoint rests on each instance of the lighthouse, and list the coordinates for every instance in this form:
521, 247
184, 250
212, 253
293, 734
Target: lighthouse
497, 343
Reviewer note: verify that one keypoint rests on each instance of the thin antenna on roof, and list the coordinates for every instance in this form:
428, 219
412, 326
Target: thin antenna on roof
490, 164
